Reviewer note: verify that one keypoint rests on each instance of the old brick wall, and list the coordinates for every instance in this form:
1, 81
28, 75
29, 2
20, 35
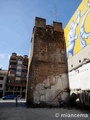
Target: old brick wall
47, 62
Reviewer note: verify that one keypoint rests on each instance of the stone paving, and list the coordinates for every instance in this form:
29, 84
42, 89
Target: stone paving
9, 111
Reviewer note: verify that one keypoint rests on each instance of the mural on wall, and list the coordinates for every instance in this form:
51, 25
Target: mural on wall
83, 33
77, 36
72, 36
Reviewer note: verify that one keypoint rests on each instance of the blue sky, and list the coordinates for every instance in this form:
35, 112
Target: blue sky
17, 21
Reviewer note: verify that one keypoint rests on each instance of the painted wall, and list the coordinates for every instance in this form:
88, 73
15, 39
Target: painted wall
51, 89
77, 31
77, 37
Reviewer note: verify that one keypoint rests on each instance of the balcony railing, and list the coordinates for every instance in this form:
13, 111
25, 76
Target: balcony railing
12, 66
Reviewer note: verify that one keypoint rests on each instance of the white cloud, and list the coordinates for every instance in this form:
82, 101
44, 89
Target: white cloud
4, 60
9, 56
2, 56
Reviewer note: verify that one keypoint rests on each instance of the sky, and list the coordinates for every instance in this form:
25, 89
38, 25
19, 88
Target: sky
17, 21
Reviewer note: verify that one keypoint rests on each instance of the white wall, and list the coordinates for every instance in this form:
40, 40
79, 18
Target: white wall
83, 55
80, 78
52, 88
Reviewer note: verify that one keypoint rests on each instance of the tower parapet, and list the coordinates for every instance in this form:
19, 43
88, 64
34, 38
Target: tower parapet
57, 26
40, 22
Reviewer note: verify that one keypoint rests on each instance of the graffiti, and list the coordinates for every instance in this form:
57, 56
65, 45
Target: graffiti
72, 36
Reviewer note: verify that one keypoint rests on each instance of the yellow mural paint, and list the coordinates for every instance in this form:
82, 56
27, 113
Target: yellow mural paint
77, 31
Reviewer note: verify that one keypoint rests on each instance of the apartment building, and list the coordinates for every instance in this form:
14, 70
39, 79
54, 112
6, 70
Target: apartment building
17, 75
3, 77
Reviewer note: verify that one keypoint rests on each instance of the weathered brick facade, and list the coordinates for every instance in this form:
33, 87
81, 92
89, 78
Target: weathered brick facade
47, 65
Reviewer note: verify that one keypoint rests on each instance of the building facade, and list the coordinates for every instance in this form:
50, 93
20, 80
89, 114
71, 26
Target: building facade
78, 51
3, 78
47, 71
17, 75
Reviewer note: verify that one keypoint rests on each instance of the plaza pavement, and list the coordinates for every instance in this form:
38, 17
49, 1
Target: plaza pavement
9, 111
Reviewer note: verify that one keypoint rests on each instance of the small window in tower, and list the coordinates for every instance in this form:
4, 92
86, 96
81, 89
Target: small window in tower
79, 61
71, 65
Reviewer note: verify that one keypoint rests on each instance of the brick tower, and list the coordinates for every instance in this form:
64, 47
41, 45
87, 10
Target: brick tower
47, 71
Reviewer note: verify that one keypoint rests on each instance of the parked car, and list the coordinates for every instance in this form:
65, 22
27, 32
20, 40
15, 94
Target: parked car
8, 97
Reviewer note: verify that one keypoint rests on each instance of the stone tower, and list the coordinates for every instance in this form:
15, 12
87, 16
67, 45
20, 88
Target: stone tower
47, 72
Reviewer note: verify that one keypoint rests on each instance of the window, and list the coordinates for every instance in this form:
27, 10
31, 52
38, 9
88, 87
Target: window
10, 81
19, 59
1, 78
12, 75
17, 78
79, 61
23, 89
24, 76
0, 85
26, 60
13, 58
13, 64
18, 75
19, 62
23, 82
24, 71
19, 70
20, 65
71, 65
17, 81
17, 88
13, 69
25, 66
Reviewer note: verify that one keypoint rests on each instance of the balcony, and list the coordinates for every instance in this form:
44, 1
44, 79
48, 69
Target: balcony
23, 79
13, 60
19, 62
11, 75
24, 74
25, 62
23, 82
11, 78
10, 84
25, 66
17, 89
12, 72
24, 90
12, 66
19, 85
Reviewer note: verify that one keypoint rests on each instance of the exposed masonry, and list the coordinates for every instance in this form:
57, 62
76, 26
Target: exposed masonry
47, 76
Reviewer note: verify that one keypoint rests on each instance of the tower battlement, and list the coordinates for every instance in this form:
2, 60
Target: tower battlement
41, 22
57, 26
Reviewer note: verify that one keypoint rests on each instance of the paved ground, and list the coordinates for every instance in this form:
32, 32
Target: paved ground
9, 111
